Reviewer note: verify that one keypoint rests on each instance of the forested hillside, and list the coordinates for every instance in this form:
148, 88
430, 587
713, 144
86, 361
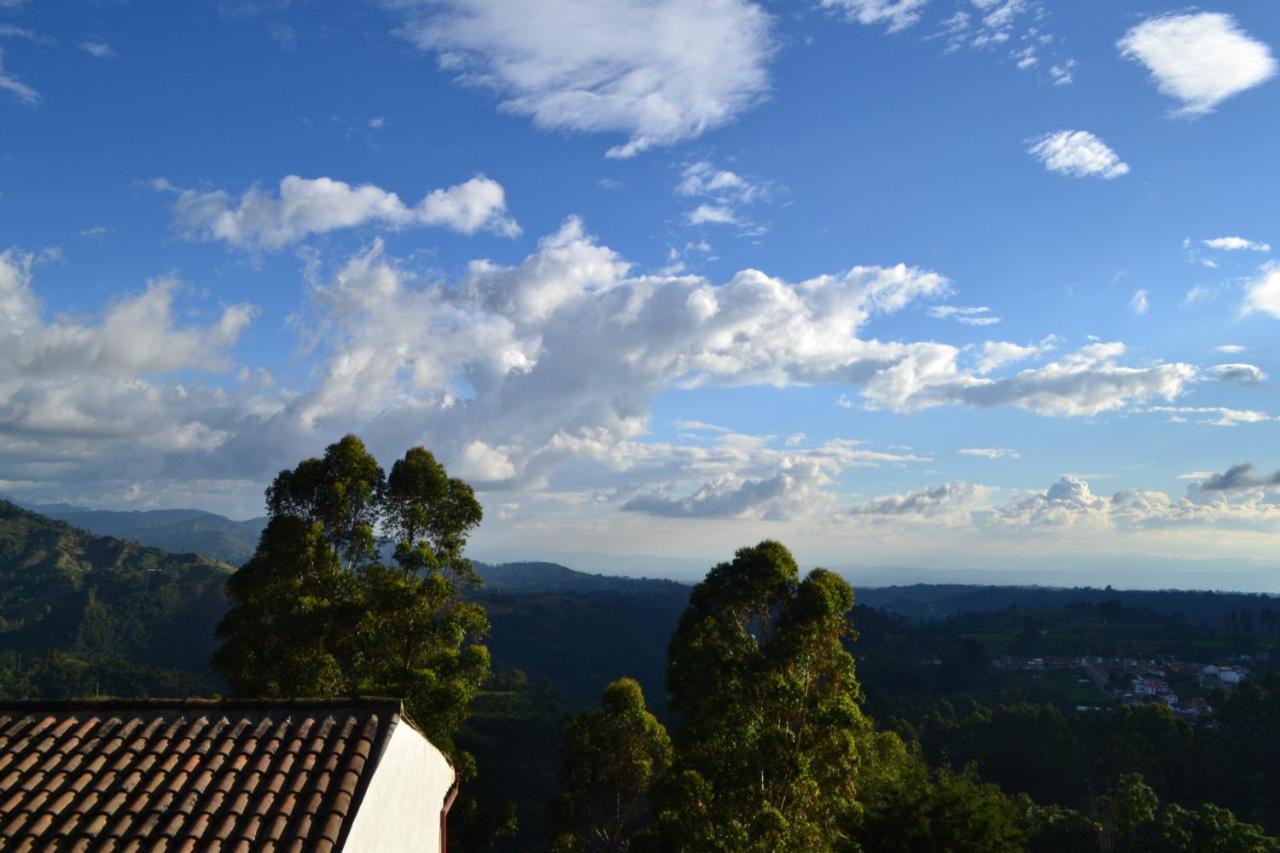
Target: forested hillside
83, 614
975, 692
178, 530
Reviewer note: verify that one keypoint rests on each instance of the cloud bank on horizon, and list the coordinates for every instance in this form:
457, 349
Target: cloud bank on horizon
776, 304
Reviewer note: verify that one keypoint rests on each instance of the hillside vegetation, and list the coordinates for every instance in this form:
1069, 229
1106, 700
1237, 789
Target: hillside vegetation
83, 614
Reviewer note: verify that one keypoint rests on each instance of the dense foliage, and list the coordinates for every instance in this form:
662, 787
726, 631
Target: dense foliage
85, 615
613, 756
968, 756
316, 613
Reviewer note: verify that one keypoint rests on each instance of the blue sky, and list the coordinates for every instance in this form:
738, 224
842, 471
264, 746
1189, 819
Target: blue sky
984, 288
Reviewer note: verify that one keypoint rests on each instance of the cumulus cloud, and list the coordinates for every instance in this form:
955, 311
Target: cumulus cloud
303, 207
99, 394
1262, 294
929, 502
538, 375
1248, 374
1071, 507
1200, 59
1067, 503
897, 14
658, 71
990, 452
996, 354
731, 496
1079, 154
1084, 383
15, 87
1236, 244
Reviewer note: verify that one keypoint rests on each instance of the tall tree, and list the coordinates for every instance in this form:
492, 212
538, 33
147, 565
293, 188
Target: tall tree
769, 750
315, 613
613, 755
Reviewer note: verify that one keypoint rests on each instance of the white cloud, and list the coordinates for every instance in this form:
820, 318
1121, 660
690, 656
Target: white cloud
15, 87
540, 376
1235, 500
1201, 59
699, 426
88, 400
780, 496
996, 354
990, 452
1230, 349
97, 49
1263, 293
1085, 383
1247, 374
303, 207
1138, 304
947, 503
727, 194
659, 71
1067, 503
1079, 154
1212, 415
1236, 244
1063, 74
712, 214
898, 14
979, 315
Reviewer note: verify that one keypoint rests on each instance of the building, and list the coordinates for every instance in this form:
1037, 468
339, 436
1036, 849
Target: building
252, 775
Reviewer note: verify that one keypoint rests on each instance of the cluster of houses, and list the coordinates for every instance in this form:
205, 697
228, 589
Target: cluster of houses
1134, 681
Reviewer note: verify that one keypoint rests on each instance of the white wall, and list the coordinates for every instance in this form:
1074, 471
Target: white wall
401, 808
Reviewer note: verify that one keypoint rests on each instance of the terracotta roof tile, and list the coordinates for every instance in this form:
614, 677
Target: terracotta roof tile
186, 775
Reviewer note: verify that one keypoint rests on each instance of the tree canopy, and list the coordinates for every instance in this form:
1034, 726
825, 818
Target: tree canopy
768, 754
315, 612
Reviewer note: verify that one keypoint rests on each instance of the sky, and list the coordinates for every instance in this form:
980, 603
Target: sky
925, 289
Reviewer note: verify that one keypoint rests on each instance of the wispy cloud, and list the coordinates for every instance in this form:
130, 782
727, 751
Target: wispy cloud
1236, 244
1077, 153
1199, 58
977, 315
97, 49
990, 452
658, 71
1139, 303
897, 14
15, 87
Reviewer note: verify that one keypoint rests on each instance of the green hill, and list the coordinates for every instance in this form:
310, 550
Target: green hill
83, 614
176, 530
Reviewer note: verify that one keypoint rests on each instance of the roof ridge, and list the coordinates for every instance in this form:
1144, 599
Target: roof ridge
203, 702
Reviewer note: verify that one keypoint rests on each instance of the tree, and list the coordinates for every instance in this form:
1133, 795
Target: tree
613, 755
314, 612
757, 669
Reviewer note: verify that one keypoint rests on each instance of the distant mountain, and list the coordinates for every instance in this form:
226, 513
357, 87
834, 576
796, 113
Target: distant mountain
181, 531
526, 577
83, 614
945, 601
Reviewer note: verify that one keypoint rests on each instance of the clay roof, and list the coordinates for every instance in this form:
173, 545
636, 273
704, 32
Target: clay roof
233, 775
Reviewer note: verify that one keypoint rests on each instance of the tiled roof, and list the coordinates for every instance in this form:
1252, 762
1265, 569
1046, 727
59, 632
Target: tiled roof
255, 775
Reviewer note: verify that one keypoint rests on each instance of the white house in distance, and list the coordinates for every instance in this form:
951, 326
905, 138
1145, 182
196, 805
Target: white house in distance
232, 775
